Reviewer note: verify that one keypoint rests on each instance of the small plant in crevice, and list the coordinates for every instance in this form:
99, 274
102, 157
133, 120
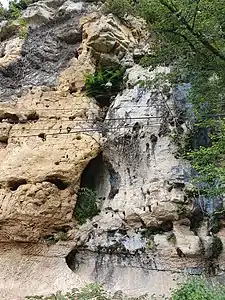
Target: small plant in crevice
104, 84
17, 27
149, 232
56, 237
23, 30
86, 206
151, 245
181, 210
171, 238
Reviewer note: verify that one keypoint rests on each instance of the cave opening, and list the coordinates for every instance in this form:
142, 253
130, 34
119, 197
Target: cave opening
93, 190
71, 261
100, 176
99, 182
93, 174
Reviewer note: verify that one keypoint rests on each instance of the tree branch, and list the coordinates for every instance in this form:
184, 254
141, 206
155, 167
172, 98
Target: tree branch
173, 31
195, 14
200, 37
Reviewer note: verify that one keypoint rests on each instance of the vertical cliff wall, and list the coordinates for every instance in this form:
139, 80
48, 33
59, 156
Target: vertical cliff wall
151, 229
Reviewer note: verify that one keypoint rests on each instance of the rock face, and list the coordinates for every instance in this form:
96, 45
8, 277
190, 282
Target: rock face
41, 163
43, 56
53, 138
145, 199
41, 149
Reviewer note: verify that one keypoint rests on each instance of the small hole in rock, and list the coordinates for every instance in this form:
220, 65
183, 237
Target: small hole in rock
42, 136
4, 140
14, 184
33, 116
11, 118
58, 182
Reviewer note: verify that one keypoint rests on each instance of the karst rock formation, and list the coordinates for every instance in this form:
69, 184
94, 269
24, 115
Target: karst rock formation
150, 231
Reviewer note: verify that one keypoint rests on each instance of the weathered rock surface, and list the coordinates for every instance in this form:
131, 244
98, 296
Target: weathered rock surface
38, 13
47, 49
150, 227
10, 51
31, 269
143, 183
148, 214
48, 134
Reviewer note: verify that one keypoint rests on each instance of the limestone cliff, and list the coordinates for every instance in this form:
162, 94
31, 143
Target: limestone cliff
150, 229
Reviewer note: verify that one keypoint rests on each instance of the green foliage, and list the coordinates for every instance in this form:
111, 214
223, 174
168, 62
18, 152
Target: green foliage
181, 210
14, 12
23, 28
194, 289
149, 232
104, 83
86, 206
119, 7
15, 8
171, 238
93, 291
198, 289
16, 23
151, 244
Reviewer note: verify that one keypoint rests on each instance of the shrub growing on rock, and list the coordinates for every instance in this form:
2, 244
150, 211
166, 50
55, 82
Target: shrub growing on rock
198, 289
86, 206
104, 84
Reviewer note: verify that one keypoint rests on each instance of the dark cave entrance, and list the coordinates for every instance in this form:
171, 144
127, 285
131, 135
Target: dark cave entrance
94, 173
99, 182
100, 176
93, 190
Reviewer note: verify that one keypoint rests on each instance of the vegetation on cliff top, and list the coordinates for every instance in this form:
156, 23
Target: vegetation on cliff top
189, 36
